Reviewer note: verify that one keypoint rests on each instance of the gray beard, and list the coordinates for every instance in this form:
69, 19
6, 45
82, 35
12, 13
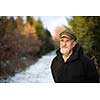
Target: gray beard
64, 51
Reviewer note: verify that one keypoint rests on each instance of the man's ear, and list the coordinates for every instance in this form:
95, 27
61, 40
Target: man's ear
74, 43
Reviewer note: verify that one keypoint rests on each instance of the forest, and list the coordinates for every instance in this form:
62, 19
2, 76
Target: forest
21, 43
87, 30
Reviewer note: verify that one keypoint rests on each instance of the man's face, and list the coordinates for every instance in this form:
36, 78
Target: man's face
66, 45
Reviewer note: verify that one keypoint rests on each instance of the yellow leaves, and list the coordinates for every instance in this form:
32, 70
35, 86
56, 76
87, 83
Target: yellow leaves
28, 29
58, 30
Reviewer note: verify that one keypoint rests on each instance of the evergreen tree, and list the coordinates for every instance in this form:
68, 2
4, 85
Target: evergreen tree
87, 29
30, 20
11, 26
19, 23
3, 25
39, 29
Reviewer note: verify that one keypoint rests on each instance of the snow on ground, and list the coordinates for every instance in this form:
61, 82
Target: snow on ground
39, 72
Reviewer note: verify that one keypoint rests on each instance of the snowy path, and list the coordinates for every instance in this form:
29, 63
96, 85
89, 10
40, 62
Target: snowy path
37, 73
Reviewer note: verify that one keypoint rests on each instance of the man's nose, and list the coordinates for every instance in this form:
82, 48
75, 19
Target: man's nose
64, 43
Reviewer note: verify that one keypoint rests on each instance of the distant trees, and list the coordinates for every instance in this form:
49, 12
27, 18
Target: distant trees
45, 37
19, 24
87, 29
58, 30
19, 40
48, 44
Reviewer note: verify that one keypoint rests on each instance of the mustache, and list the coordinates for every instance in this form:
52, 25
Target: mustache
64, 51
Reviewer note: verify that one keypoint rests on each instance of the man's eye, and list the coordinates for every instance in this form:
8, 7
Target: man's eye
67, 41
61, 40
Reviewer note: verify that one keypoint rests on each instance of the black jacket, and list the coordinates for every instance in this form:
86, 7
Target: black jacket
77, 69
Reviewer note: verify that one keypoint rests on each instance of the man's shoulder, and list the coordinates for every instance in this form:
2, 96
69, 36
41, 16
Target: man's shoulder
55, 58
86, 59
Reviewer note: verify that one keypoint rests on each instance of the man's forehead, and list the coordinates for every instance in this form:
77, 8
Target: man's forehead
65, 38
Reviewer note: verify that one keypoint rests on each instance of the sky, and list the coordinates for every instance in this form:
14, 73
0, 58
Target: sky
51, 22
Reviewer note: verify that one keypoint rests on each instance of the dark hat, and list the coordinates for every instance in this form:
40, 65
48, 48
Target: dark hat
68, 34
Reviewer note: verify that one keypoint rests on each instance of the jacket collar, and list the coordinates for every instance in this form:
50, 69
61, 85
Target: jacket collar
77, 52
